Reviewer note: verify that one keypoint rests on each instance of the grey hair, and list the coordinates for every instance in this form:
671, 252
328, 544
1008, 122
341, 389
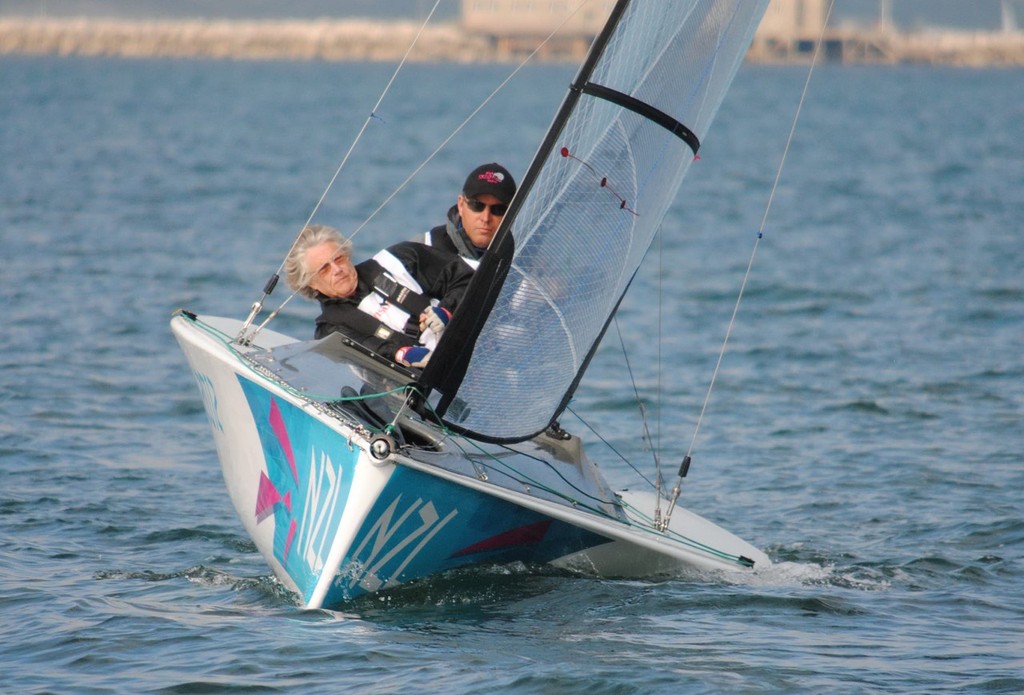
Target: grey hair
296, 274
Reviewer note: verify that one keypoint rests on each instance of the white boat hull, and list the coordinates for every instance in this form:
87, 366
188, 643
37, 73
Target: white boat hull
335, 521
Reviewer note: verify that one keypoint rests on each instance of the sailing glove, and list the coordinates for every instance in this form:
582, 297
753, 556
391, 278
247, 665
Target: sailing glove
435, 318
413, 356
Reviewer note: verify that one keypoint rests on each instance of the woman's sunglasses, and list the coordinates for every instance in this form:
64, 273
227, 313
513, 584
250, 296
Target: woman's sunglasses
497, 209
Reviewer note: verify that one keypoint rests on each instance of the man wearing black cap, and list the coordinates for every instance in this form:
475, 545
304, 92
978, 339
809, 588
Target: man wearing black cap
475, 217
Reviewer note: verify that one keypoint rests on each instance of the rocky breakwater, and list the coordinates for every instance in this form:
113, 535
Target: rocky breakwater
253, 40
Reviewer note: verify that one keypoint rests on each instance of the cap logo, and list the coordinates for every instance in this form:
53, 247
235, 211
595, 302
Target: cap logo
494, 177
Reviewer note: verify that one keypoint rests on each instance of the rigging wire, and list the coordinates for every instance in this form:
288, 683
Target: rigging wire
488, 460
269, 287
470, 117
661, 317
609, 445
746, 276
258, 306
639, 401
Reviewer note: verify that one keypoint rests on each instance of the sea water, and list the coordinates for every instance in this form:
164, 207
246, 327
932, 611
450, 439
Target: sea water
866, 426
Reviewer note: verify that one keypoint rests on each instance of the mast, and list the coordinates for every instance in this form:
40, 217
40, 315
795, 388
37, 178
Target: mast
448, 364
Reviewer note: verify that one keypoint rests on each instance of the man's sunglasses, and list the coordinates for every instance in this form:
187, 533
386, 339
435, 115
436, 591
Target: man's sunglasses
497, 209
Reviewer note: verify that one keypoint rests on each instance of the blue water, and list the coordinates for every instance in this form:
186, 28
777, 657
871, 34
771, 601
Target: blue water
866, 427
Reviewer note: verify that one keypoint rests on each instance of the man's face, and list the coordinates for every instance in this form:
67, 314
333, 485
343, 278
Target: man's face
334, 275
482, 223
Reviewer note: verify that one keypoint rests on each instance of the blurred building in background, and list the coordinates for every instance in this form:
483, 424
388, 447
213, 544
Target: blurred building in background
514, 27
792, 31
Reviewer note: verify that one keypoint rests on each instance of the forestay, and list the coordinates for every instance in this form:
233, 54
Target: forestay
586, 213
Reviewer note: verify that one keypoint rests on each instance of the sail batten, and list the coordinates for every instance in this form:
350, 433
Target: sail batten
587, 212
660, 117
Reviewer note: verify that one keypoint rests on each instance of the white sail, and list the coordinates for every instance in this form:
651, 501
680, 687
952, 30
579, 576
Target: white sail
587, 212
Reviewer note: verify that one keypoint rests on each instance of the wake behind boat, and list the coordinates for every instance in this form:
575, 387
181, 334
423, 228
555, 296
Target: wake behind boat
354, 474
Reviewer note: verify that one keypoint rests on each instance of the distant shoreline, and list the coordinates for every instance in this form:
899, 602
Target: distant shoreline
368, 40
330, 40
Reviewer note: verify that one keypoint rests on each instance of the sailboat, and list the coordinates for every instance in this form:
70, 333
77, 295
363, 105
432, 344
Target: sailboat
353, 474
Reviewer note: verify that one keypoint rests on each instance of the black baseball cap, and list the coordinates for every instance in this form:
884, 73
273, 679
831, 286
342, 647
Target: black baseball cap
490, 178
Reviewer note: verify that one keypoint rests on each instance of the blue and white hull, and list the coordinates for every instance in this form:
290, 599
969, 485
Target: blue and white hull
339, 507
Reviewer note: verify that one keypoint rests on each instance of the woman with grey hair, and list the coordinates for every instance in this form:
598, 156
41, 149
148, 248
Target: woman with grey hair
396, 304
295, 273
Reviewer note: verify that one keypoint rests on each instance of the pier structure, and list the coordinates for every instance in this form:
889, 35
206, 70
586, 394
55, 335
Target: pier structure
793, 31
789, 32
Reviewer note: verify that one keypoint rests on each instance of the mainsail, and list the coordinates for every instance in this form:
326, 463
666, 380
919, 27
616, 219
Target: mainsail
586, 213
